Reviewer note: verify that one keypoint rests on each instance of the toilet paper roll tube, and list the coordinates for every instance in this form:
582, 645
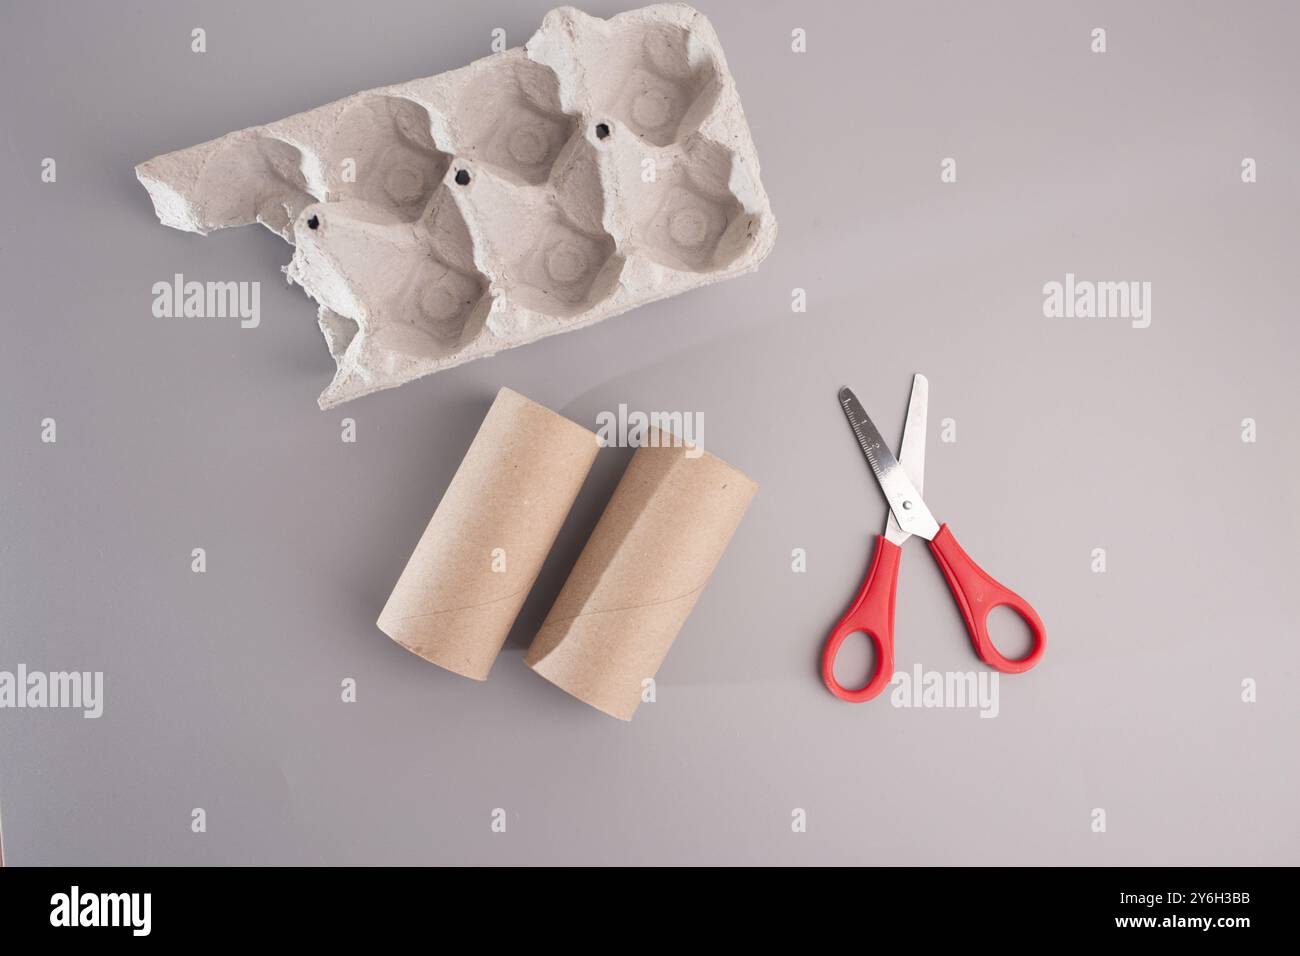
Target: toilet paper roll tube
458, 597
638, 577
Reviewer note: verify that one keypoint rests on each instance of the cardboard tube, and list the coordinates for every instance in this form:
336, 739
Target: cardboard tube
638, 577
477, 560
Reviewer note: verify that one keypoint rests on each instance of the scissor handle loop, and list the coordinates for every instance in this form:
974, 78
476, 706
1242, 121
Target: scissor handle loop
872, 612
977, 594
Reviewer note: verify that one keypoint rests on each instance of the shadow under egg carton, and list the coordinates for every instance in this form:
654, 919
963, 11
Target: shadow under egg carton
604, 165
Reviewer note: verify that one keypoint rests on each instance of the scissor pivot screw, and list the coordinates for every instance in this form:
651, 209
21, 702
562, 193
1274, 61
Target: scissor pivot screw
907, 505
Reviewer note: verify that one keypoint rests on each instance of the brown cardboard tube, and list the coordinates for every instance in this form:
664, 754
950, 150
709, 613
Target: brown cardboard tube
477, 560
638, 577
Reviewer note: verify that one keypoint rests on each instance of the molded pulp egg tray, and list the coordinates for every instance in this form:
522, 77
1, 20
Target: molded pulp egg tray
604, 165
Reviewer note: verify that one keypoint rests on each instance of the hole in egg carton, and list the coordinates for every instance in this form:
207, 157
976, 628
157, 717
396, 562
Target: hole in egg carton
522, 173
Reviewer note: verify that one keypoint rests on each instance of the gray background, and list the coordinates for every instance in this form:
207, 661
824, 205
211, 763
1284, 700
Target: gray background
223, 688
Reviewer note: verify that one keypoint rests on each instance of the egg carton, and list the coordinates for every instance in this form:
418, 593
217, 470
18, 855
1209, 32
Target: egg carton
603, 165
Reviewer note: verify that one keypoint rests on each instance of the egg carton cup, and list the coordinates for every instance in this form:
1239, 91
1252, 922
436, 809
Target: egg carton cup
603, 165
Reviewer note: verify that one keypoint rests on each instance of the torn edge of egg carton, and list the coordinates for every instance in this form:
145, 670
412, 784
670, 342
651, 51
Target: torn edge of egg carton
603, 165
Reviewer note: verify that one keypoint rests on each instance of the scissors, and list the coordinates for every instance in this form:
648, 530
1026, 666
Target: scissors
872, 611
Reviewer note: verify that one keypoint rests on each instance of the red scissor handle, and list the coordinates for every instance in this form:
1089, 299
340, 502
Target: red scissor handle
872, 612
977, 594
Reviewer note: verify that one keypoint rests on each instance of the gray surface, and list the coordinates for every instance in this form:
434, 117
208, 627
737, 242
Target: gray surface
222, 689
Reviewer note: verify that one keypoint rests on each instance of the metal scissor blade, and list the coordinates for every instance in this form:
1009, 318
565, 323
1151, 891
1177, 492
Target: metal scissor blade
911, 453
904, 500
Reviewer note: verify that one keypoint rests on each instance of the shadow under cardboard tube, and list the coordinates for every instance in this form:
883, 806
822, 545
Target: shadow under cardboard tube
574, 533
